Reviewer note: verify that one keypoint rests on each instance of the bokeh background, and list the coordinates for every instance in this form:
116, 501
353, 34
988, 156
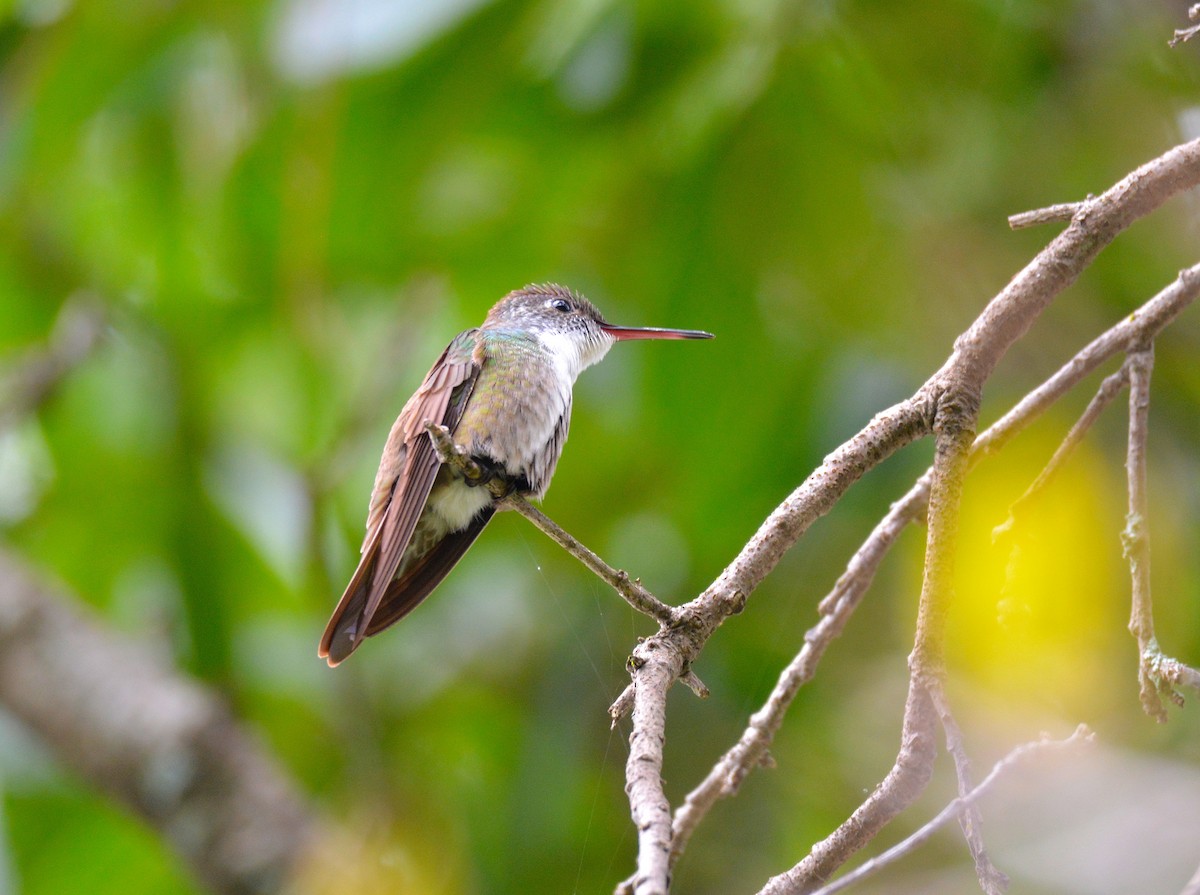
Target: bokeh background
285, 210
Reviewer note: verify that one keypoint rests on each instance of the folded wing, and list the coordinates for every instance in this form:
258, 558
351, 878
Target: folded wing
402, 485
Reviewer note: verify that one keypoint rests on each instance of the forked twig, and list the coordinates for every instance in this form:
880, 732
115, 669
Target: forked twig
1082, 735
992, 880
1158, 674
976, 353
750, 751
1104, 396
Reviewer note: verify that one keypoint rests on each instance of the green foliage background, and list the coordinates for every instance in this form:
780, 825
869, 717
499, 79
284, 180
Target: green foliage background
288, 208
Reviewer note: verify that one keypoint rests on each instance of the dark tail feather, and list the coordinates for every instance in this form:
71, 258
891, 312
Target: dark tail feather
345, 631
405, 593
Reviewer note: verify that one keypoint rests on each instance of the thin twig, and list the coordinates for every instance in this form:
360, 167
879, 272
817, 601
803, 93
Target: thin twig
1143, 324
992, 880
1136, 536
630, 589
1159, 675
954, 392
1082, 735
1108, 391
1050, 215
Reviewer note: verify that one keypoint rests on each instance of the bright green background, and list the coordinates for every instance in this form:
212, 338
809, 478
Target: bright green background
286, 234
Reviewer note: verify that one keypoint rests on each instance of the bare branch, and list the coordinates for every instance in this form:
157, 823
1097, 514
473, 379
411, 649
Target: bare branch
954, 391
1104, 396
1018, 755
153, 740
1143, 324
656, 669
1052, 214
751, 749
914, 762
991, 880
1158, 674
631, 590
1136, 536
904, 782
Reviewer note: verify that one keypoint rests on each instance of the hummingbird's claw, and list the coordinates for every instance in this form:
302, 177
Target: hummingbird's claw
488, 470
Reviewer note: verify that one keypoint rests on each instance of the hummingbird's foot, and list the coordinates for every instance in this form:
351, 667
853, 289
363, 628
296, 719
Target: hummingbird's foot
492, 471
489, 470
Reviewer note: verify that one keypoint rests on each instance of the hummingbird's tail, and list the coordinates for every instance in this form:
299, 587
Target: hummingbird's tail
351, 623
343, 634
418, 581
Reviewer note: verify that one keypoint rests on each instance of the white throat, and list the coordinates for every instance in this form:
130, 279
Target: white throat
571, 356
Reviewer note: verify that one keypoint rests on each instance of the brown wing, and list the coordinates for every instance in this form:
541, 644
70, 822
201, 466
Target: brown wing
405, 593
402, 487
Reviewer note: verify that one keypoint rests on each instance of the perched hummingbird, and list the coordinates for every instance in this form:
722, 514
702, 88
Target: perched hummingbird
504, 392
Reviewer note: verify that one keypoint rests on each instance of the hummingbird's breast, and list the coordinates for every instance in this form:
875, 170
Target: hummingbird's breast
520, 407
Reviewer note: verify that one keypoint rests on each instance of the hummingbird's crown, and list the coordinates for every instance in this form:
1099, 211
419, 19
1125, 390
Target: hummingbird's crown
523, 305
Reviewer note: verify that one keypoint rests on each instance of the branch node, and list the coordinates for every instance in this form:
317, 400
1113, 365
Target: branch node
621, 705
1060, 213
695, 684
1081, 736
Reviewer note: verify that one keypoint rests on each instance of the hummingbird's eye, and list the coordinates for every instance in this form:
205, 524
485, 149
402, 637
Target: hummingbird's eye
559, 304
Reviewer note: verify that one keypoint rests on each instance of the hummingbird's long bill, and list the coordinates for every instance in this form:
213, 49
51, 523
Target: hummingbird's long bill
626, 333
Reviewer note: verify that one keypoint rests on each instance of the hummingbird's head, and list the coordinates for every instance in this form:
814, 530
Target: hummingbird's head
546, 308
568, 325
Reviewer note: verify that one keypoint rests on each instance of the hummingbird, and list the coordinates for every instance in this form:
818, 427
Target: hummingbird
503, 390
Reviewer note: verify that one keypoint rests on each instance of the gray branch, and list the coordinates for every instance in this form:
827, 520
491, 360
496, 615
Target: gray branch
836, 608
1159, 675
630, 589
1104, 396
966, 800
153, 740
992, 880
949, 404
